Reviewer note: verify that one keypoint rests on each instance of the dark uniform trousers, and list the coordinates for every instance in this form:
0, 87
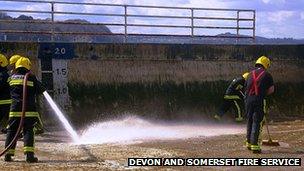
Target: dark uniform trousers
256, 118
233, 101
5, 98
31, 114
28, 133
4, 111
234, 98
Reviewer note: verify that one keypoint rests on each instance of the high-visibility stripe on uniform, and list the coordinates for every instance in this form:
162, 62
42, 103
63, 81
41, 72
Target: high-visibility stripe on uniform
231, 97
40, 121
247, 144
239, 87
255, 147
5, 101
27, 114
238, 109
28, 149
264, 106
11, 151
20, 82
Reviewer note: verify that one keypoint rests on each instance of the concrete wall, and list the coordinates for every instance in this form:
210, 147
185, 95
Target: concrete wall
169, 81
106, 63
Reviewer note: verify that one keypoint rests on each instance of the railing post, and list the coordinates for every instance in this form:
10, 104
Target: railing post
192, 22
52, 18
126, 23
253, 31
238, 23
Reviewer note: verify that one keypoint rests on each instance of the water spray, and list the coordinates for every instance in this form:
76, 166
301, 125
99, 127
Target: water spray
133, 129
61, 117
129, 129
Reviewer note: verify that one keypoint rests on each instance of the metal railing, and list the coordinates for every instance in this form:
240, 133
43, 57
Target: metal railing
126, 16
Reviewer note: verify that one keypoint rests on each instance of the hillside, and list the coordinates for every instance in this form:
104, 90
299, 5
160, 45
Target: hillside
85, 26
34, 25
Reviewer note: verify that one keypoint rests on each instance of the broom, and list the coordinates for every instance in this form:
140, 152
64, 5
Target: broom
269, 142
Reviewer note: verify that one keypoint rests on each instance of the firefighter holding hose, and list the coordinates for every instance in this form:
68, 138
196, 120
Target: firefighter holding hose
5, 98
34, 87
258, 85
38, 129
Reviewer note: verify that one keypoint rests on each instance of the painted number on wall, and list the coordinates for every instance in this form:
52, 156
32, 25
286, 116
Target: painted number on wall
60, 51
62, 71
62, 90
56, 50
60, 78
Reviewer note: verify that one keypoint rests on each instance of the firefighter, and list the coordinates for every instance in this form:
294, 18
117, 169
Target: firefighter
5, 98
12, 61
258, 85
234, 98
39, 129
34, 87
11, 67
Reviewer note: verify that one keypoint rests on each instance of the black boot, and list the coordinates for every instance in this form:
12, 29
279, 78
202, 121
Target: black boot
4, 131
8, 158
39, 131
30, 157
256, 151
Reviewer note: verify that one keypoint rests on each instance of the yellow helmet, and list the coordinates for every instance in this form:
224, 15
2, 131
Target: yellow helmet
245, 75
14, 59
264, 61
23, 62
3, 61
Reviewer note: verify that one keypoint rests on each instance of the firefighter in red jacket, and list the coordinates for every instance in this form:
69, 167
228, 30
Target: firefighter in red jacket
34, 87
258, 85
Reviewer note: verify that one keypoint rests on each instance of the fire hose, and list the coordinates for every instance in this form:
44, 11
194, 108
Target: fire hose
22, 116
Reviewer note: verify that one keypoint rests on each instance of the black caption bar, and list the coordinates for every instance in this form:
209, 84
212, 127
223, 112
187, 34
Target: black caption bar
214, 161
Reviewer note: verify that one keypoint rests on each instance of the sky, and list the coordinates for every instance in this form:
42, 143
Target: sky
274, 18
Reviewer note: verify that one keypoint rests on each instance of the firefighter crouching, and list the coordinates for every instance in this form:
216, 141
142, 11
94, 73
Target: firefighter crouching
234, 97
258, 85
34, 87
5, 97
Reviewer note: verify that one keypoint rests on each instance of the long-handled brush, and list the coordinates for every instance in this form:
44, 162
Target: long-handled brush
269, 142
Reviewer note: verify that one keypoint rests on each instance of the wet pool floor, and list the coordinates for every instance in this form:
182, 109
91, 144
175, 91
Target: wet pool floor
56, 153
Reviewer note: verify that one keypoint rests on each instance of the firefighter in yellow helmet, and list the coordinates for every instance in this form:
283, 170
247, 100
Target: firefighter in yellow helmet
34, 87
12, 61
234, 98
11, 66
258, 85
5, 98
